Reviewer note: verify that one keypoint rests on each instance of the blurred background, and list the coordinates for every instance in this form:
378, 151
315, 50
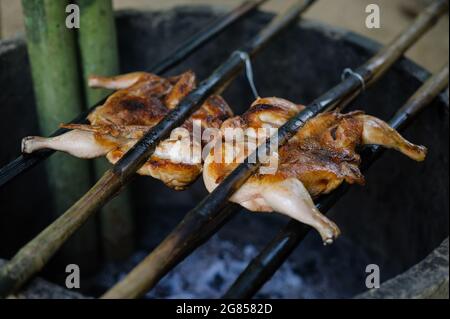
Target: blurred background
349, 14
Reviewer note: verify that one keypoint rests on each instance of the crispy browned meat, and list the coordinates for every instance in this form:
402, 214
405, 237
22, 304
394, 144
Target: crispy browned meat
140, 102
315, 161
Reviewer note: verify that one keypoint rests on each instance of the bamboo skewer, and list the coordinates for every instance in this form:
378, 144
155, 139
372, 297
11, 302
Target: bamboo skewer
30, 260
270, 259
25, 162
99, 55
208, 215
58, 95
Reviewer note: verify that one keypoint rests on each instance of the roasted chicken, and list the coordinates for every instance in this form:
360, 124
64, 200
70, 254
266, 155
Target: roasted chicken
321, 156
140, 102
315, 161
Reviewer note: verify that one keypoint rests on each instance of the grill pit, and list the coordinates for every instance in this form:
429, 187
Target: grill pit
395, 221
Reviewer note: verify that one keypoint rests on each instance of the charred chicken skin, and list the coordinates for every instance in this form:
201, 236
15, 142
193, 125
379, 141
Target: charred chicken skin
140, 102
315, 161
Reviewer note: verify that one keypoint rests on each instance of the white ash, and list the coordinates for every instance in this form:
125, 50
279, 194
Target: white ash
210, 271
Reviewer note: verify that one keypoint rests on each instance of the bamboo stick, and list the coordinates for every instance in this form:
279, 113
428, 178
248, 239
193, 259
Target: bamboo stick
270, 259
99, 55
25, 162
28, 261
52, 52
167, 254
117, 224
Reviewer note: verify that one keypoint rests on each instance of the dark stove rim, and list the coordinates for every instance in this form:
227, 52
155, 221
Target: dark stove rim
371, 46
427, 279
392, 288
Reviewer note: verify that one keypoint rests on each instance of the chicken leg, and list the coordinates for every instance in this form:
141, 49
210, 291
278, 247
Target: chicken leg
290, 197
378, 132
82, 144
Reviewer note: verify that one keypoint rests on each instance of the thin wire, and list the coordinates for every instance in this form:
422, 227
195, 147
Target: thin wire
248, 71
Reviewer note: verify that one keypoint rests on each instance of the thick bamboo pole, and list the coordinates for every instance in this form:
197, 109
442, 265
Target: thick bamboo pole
97, 42
268, 261
208, 215
52, 53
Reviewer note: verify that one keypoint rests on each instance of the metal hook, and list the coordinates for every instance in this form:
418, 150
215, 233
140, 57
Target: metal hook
347, 72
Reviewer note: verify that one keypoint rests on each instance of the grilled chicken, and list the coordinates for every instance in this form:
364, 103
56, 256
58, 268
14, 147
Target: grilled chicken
140, 102
315, 161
